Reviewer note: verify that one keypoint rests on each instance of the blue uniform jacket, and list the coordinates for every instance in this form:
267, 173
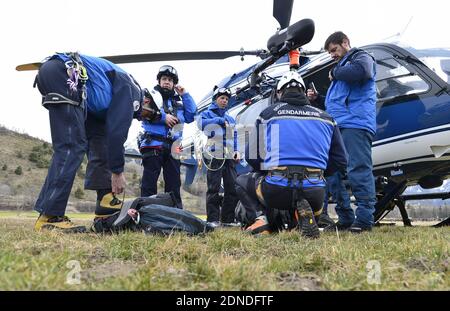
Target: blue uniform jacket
186, 110
218, 116
297, 134
351, 98
118, 113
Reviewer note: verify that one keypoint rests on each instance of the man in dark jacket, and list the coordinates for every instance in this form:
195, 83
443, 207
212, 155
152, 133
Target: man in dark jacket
351, 101
218, 125
159, 135
91, 104
301, 143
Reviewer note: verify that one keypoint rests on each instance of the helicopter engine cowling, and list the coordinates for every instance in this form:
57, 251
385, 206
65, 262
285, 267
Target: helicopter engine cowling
295, 35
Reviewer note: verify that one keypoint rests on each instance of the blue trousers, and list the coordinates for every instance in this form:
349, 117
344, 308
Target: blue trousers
69, 146
358, 144
68, 139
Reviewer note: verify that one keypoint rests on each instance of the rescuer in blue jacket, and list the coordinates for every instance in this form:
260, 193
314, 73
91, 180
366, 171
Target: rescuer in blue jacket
91, 104
300, 145
218, 125
351, 101
156, 143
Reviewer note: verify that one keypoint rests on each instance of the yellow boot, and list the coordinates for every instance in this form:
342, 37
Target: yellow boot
60, 223
108, 205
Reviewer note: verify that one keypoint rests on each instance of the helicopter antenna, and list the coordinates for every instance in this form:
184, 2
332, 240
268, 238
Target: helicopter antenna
406, 27
399, 35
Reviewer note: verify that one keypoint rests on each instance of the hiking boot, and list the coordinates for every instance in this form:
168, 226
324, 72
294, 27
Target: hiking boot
231, 224
359, 229
307, 223
214, 224
325, 222
61, 223
339, 226
108, 205
260, 226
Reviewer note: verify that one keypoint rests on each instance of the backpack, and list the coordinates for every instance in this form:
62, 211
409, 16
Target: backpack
157, 214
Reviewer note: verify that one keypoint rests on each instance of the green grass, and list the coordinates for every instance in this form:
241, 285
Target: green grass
415, 258
34, 215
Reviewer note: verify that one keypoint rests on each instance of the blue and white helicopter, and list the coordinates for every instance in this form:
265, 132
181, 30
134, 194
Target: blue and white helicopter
412, 144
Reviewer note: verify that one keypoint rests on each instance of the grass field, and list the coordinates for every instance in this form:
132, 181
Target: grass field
389, 258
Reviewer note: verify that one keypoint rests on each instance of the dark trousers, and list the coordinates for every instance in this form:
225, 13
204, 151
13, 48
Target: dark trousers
246, 185
98, 175
69, 146
213, 200
258, 196
153, 160
68, 140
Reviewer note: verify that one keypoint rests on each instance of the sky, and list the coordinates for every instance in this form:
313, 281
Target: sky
32, 30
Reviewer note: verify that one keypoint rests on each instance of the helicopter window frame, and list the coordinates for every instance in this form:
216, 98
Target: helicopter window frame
404, 70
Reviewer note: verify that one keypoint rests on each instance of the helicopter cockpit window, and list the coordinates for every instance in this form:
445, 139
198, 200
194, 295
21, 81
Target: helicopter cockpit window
439, 65
394, 79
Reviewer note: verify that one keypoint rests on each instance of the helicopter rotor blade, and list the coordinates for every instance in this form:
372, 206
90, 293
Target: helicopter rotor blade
30, 66
173, 56
168, 56
307, 52
282, 10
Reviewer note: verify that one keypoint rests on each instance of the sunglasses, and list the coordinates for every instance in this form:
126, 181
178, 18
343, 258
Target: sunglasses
223, 91
169, 69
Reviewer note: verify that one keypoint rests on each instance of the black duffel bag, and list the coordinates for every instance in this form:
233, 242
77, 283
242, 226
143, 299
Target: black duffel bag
156, 214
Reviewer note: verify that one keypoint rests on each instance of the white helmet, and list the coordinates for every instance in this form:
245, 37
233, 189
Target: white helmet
156, 96
291, 79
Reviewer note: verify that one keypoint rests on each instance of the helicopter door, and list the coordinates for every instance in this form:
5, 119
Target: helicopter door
410, 97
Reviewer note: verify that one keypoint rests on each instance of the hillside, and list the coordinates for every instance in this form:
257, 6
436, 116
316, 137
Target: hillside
24, 162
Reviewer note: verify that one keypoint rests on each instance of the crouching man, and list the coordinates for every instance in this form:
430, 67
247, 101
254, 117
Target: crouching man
298, 146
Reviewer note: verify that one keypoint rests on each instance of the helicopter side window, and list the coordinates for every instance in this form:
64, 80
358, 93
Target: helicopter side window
394, 79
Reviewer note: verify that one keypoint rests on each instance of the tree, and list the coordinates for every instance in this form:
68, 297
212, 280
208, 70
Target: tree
18, 170
79, 193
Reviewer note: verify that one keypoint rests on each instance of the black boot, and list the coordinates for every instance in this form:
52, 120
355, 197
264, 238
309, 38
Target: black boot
325, 222
306, 222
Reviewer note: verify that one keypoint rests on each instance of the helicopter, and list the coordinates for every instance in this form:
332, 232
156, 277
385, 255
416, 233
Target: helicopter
412, 144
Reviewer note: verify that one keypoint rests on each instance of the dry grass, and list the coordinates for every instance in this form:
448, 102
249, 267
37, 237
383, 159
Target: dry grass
409, 259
